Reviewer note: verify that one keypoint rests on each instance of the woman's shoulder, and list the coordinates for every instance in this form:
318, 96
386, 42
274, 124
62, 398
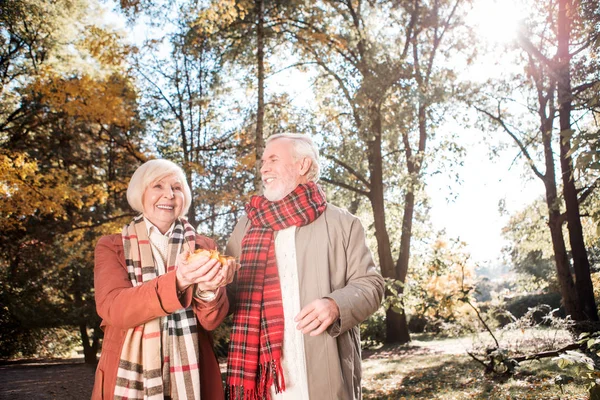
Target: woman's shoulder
115, 240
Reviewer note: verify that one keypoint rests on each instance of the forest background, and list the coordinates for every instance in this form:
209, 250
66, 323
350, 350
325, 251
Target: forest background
388, 90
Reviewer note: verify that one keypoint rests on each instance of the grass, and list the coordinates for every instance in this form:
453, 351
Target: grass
440, 369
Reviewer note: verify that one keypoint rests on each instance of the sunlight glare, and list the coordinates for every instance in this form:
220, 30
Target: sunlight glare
496, 21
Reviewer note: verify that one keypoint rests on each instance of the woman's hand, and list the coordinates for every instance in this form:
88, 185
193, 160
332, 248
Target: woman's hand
202, 271
229, 270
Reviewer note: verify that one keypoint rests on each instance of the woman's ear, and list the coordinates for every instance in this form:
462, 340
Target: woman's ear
305, 165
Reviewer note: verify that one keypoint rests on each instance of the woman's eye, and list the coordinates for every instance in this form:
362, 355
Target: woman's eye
177, 188
157, 186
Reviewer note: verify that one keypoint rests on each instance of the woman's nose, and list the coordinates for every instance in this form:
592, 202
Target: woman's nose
169, 193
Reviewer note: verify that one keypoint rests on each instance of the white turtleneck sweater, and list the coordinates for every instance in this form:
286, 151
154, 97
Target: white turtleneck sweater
293, 361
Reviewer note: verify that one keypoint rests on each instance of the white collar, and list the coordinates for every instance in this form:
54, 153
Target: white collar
152, 228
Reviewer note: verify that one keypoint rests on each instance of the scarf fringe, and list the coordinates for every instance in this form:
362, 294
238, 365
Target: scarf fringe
270, 373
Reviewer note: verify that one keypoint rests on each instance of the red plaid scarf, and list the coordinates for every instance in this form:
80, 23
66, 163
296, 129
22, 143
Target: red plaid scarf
254, 361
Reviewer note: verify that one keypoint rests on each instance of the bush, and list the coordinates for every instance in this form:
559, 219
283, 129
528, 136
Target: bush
38, 342
221, 337
372, 330
516, 307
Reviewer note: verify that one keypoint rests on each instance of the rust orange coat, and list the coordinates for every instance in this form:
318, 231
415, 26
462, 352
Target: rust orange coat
121, 307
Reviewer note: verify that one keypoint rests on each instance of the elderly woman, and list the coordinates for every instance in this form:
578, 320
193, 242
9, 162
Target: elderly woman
157, 305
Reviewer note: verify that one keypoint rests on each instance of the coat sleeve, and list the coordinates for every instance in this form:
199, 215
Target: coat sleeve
119, 303
234, 249
364, 289
210, 314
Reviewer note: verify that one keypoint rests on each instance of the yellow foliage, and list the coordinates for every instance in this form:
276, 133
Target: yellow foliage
103, 101
248, 161
26, 192
221, 14
443, 281
105, 47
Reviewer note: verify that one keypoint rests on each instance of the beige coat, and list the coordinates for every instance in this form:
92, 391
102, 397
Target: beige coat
333, 261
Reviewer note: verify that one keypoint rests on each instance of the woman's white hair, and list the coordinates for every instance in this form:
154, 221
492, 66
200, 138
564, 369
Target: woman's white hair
303, 147
152, 171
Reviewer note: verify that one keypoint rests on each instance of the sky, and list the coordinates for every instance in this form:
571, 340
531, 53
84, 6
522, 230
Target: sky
474, 215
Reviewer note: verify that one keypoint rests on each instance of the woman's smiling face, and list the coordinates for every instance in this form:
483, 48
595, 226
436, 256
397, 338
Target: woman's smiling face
163, 201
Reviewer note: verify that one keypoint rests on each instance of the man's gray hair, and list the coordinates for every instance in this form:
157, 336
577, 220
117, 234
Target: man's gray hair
303, 147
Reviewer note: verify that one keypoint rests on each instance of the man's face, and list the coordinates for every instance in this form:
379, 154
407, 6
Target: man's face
280, 171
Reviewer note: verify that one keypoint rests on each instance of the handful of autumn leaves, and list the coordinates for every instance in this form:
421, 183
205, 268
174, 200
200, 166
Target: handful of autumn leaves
213, 254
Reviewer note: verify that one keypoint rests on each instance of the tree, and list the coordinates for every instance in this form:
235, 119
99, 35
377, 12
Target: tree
552, 97
68, 144
260, 107
562, 68
525, 136
386, 85
440, 283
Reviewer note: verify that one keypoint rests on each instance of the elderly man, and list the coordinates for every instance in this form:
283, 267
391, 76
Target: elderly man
306, 282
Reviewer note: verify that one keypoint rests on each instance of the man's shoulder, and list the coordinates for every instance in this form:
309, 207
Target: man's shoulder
242, 220
335, 212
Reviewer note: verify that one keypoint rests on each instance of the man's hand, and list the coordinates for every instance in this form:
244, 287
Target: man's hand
317, 316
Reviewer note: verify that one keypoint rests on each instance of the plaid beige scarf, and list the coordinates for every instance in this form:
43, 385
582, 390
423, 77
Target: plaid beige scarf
254, 360
158, 360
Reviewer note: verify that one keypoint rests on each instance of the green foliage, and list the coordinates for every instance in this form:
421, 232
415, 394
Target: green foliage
395, 298
372, 330
585, 367
530, 249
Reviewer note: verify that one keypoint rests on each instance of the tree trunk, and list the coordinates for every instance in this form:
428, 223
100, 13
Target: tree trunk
401, 270
260, 109
406, 236
185, 147
563, 270
89, 350
396, 326
191, 215
561, 258
581, 264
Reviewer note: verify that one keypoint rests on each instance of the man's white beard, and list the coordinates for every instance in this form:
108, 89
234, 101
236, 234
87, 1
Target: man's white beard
278, 193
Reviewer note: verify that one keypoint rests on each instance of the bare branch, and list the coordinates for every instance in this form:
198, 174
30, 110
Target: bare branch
348, 168
519, 143
346, 186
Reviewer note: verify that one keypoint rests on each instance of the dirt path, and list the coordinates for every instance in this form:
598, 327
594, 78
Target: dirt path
46, 380
73, 380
